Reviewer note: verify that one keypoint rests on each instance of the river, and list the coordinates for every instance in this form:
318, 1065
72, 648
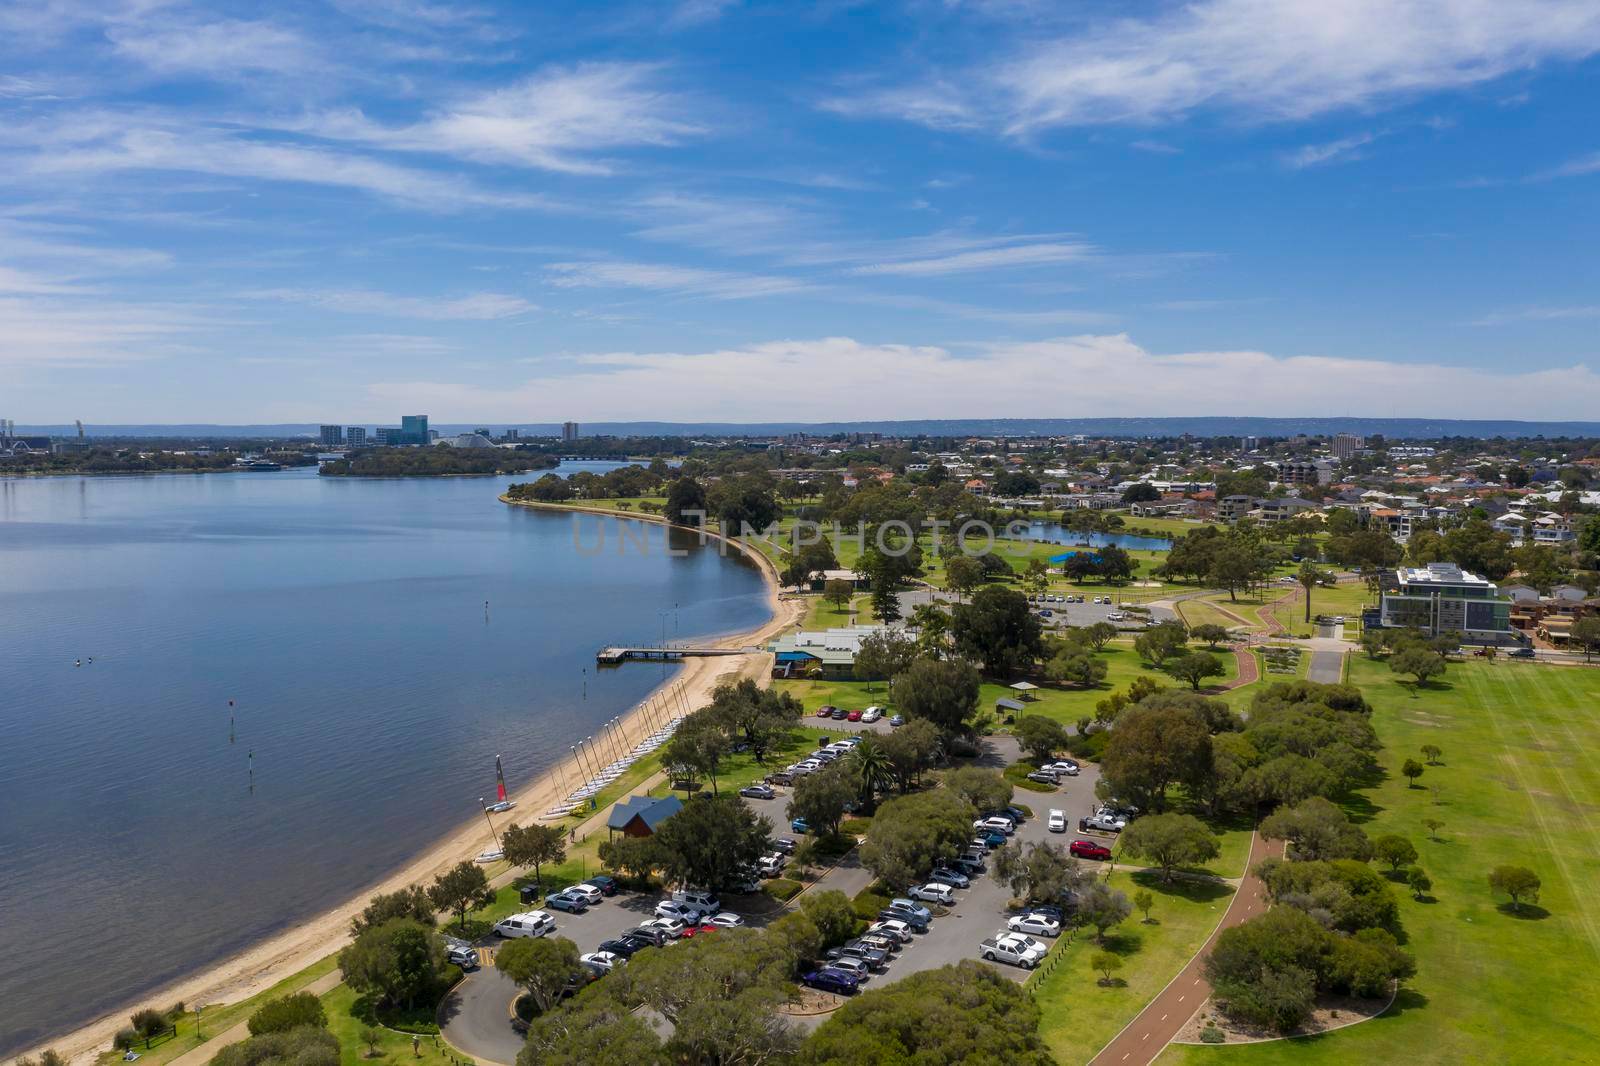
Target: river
346, 619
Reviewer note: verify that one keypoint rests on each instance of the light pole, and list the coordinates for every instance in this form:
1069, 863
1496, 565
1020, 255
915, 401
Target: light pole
492, 833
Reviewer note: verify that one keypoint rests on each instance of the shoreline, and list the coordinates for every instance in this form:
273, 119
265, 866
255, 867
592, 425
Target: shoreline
291, 950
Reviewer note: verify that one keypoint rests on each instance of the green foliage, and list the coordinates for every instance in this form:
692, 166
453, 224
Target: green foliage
998, 630
820, 798
396, 962
437, 461
600, 1031
944, 692
1105, 963
1419, 882
1169, 841
686, 495
910, 832
983, 789
1156, 744
1040, 737
833, 916
1316, 829
1209, 633
1075, 666
1395, 850
1412, 769
966, 1013
1161, 642
1102, 907
288, 1012
838, 592
534, 845
1341, 893
1194, 668
1517, 882
1417, 662
461, 888
410, 902
633, 858
1144, 900
708, 842
306, 1046
745, 711
883, 655
543, 966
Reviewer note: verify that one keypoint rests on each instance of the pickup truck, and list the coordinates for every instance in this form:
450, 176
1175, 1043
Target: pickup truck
1102, 822
1005, 947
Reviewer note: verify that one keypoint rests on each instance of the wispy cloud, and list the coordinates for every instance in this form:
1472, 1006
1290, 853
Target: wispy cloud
1010, 257
1575, 168
227, 47
1261, 59
1538, 314
689, 281
1343, 150
1156, 147
478, 306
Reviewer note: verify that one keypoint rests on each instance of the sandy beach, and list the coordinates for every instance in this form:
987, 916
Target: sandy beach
264, 965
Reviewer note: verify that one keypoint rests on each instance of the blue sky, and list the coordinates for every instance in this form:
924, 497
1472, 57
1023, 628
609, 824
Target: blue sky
706, 210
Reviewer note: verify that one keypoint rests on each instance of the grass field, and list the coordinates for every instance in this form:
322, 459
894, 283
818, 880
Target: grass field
340, 1004
1080, 1014
1346, 598
1520, 783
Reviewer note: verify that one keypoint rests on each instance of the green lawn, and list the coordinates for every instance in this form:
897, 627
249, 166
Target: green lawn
1080, 1014
395, 1047
1346, 598
1519, 784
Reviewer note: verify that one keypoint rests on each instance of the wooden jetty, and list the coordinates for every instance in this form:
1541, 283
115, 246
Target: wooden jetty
616, 655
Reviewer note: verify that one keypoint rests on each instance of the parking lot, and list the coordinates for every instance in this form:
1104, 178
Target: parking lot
476, 1016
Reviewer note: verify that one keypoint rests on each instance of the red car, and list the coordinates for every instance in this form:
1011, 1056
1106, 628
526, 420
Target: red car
853, 716
704, 929
825, 710
1088, 849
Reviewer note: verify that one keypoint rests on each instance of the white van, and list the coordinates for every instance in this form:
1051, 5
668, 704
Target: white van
704, 902
528, 923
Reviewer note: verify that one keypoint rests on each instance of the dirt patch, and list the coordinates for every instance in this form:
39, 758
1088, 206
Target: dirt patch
1332, 1012
811, 1001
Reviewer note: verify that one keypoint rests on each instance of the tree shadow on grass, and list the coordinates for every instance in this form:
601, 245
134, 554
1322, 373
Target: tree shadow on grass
1195, 891
1121, 941
1528, 912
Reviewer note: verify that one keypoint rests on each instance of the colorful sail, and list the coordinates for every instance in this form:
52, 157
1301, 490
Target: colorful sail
499, 780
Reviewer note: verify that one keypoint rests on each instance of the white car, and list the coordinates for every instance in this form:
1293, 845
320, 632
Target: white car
671, 908
604, 961
704, 902
528, 923
673, 927
933, 893
1034, 923
1057, 822
997, 824
1030, 943
1064, 766
892, 927
1012, 948
872, 714
590, 894
726, 920
771, 865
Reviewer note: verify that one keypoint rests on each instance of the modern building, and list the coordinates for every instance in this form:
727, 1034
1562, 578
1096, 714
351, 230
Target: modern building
569, 431
1319, 472
387, 437
355, 436
829, 653
1443, 598
1347, 445
414, 429
332, 436
465, 440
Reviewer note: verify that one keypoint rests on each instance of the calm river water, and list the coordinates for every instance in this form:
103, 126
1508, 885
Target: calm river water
346, 619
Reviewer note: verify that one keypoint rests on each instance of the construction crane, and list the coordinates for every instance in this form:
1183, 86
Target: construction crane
79, 423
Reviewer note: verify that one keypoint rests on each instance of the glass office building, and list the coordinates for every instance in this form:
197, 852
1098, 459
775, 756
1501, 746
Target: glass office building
1443, 598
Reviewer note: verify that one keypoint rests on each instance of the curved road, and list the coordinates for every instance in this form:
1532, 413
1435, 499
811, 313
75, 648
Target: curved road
475, 1018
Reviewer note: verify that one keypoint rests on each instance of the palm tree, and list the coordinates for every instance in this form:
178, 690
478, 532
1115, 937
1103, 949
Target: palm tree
1308, 576
871, 768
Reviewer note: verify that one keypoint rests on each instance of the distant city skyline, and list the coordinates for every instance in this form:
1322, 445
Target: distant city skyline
728, 211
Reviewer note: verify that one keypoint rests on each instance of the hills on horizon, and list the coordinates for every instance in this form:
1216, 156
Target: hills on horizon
1199, 426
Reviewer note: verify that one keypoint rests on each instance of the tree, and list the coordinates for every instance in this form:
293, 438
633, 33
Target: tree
833, 914
1144, 900
1209, 632
685, 495
288, 1012
1316, 829
635, 858
410, 902
838, 591
1040, 737
1235, 565
760, 716
1421, 884
1154, 746
1098, 634
819, 799
534, 846
1194, 668
962, 574
1419, 662
394, 962
944, 692
544, 965
910, 832
1309, 577
998, 630
1105, 963
1431, 752
305, 1046
1141, 492
1074, 666
1412, 770
1433, 825
884, 654
1586, 630
1102, 906
372, 1040
869, 766
1170, 841
695, 751
911, 749
1518, 882
461, 888
985, 790
1395, 850
966, 1013
711, 841
1161, 642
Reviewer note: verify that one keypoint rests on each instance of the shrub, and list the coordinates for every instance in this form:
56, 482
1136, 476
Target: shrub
148, 1021
289, 1012
1212, 1035
782, 889
305, 1046
125, 1039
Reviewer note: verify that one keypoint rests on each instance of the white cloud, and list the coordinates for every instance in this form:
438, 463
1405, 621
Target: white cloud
1538, 314
695, 12
46, 331
1260, 59
227, 48
1004, 258
1343, 150
476, 307
553, 120
691, 281
1576, 168
1072, 376
1156, 147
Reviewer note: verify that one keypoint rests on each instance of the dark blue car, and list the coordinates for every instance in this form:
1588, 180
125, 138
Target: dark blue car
829, 979
606, 885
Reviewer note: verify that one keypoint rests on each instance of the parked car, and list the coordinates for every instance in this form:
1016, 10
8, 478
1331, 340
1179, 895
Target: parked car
872, 714
800, 825
673, 927
840, 714
566, 900
997, 824
851, 965
992, 838
758, 791
1065, 767
888, 943
607, 885
781, 777
1049, 910
1104, 823
1522, 653
623, 946
1034, 923
528, 923
784, 844
892, 927
672, 909
1045, 777
853, 716
917, 924
971, 866
725, 920
771, 865
825, 711
590, 894
897, 720
950, 876
704, 902
1057, 822
933, 892
873, 958
462, 955
1012, 948
602, 961
1088, 849
831, 979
